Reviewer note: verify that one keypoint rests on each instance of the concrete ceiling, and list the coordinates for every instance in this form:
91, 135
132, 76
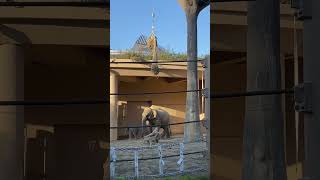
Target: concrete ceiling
85, 26
229, 28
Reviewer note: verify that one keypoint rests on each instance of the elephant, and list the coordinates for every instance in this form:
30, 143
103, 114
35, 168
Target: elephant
156, 117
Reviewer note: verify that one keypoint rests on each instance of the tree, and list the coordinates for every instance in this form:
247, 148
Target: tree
192, 9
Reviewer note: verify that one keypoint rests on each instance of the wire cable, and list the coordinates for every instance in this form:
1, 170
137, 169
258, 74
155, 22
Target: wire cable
152, 158
153, 93
172, 124
252, 93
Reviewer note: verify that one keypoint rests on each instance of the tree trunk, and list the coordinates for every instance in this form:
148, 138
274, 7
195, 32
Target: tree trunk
192, 130
263, 153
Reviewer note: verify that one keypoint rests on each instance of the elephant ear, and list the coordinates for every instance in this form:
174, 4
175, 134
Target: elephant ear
155, 113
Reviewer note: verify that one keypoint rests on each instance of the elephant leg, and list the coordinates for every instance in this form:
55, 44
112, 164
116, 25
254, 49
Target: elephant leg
166, 132
130, 133
134, 133
137, 133
142, 132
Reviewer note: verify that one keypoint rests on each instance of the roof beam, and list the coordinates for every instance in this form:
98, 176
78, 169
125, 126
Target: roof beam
57, 3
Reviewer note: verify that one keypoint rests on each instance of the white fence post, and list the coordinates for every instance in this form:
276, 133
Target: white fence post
136, 165
113, 162
181, 160
161, 162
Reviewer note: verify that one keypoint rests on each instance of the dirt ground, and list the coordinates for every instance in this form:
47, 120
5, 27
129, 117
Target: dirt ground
151, 167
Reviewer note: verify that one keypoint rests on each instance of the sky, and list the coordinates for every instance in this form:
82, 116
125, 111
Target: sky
131, 18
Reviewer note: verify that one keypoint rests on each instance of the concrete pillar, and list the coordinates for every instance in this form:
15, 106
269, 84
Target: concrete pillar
113, 105
311, 73
11, 117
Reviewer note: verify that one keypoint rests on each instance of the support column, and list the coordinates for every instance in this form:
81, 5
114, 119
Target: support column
113, 105
311, 73
192, 9
11, 117
263, 153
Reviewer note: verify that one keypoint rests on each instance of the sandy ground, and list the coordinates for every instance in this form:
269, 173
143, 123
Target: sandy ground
151, 167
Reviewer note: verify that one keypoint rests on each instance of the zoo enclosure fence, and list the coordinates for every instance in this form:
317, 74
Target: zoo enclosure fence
161, 157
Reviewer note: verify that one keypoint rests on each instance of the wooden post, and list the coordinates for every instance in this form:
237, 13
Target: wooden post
207, 113
11, 117
192, 8
311, 73
263, 153
283, 86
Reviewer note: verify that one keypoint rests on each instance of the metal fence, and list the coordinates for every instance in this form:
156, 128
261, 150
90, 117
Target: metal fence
160, 148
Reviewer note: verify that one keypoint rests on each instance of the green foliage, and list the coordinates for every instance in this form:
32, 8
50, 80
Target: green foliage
120, 178
163, 55
132, 55
186, 177
168, 54
194, 178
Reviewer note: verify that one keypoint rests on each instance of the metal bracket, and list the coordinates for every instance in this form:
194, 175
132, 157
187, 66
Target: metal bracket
205, 123
205, 93
303, 9
307, 178
204, 63
303, 97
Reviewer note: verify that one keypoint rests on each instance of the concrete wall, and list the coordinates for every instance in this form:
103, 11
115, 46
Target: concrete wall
65, 73
228, 118
173, 103
227, 121
74, 158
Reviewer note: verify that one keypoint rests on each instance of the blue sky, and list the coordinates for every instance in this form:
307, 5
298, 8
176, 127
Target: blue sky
131, 18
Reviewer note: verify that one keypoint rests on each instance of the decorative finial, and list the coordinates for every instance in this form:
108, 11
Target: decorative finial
153, 21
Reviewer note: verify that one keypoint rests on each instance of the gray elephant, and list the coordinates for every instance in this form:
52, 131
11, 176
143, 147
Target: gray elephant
158, 118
